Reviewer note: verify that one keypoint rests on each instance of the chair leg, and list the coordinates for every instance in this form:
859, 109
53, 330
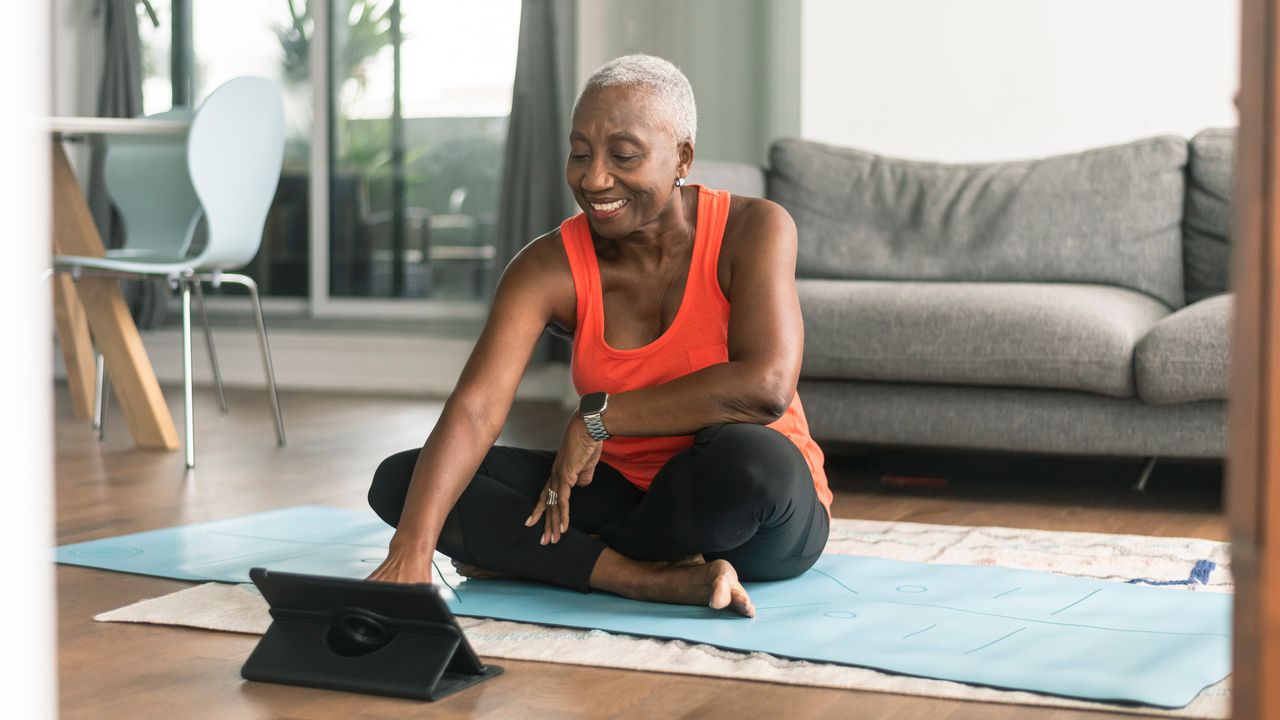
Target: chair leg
188, 413
263, 346
102, 398
1145, 475
213, 355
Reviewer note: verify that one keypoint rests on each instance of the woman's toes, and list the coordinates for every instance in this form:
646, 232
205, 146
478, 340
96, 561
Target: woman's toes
721, 592
724, 581
726, 591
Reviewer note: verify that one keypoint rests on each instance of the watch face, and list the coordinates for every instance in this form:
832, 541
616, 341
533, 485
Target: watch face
592, 403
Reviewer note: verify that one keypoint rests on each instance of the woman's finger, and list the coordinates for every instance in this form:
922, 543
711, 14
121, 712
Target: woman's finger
554, 515
562, 508
548, 511
564, 513
538, 508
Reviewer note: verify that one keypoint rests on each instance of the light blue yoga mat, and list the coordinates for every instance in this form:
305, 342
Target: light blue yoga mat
984, 625
305, 539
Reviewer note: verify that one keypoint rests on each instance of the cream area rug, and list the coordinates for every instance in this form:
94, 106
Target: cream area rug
1182, 564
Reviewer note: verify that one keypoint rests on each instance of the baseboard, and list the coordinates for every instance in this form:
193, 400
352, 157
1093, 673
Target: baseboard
341, 362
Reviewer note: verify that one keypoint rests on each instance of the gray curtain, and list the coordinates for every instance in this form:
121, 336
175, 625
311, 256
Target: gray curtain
120, 95
534, 197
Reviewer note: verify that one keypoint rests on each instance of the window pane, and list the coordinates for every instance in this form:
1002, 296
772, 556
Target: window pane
417, 163
157, 88
231, 38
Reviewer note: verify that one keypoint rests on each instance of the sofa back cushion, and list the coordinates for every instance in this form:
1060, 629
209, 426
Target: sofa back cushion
1207, 245
738, 178
1110, 216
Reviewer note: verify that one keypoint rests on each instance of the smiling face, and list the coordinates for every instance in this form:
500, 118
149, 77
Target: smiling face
623, 161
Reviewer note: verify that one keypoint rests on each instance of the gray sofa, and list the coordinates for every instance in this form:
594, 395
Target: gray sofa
1073, 304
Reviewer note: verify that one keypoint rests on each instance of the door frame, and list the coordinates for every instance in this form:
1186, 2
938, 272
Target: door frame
1253, 408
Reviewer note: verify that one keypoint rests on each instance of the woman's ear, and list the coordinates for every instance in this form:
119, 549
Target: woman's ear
684, 153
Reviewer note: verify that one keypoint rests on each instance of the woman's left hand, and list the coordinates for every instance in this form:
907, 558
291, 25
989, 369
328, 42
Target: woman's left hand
575, 466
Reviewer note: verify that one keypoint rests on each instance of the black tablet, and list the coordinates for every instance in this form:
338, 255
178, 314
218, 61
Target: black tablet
362, 636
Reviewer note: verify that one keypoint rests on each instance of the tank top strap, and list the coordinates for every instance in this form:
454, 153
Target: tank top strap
713, 215
575, 233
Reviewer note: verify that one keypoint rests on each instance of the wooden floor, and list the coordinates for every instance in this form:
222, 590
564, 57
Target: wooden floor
110, 670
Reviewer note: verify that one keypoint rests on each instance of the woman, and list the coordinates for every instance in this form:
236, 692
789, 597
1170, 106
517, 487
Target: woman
689, 466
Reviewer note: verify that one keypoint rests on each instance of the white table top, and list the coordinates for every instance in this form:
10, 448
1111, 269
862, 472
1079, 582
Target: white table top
115, 126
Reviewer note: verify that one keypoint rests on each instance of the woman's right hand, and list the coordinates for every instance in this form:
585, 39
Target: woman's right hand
405, 565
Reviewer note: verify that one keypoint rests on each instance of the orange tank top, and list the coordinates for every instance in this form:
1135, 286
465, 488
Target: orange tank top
697, 337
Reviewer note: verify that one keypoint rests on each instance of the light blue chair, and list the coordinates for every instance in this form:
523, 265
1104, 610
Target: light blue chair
225, 173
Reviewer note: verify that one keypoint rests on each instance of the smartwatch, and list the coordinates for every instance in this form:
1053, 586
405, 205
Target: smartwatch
590, 408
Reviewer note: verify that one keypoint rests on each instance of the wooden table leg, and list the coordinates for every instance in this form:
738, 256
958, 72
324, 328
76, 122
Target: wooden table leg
133, 380
77, 349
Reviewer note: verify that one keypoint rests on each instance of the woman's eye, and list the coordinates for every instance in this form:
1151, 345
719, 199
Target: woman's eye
578, 157
624, 158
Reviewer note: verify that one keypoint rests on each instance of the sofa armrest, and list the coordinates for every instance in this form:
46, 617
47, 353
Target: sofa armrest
1186, 356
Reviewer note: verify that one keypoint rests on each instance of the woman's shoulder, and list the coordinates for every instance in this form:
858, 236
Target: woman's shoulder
542, 266
754, 233
745, 210
543, 254
754, 220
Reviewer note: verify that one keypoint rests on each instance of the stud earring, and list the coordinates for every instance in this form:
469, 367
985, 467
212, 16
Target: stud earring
679, 182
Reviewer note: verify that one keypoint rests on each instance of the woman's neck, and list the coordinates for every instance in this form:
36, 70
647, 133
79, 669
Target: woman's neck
668, 235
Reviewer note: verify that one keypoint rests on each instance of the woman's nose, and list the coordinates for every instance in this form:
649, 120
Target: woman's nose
597, 177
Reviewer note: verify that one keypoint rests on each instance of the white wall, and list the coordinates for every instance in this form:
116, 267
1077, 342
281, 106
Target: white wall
77, 52
999, 79
26, 513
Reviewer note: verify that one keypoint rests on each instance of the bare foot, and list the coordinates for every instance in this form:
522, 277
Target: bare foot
726, 591
686, 562
475, 572
714, 584
478, 573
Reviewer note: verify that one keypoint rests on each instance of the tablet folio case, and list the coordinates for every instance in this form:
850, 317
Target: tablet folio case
350, 646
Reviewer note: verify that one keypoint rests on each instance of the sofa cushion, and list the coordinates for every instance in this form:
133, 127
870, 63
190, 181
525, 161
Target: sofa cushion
1111, 216
1206, 241
1044, 335
1012, 419
737, 178
1184, 357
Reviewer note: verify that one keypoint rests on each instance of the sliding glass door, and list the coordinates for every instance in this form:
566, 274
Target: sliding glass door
397, 118
421, 92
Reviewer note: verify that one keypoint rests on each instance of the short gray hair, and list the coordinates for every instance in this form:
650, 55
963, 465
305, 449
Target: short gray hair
666, 85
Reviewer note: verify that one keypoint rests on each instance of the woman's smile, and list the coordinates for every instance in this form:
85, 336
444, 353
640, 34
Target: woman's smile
607, 209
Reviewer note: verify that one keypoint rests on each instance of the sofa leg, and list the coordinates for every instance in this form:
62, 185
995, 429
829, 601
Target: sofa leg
1141, 485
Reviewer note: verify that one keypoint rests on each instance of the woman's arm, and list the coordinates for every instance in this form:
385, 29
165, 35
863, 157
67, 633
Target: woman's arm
477, 408
766, 341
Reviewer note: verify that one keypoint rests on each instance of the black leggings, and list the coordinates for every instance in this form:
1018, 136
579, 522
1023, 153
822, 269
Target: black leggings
742, 493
